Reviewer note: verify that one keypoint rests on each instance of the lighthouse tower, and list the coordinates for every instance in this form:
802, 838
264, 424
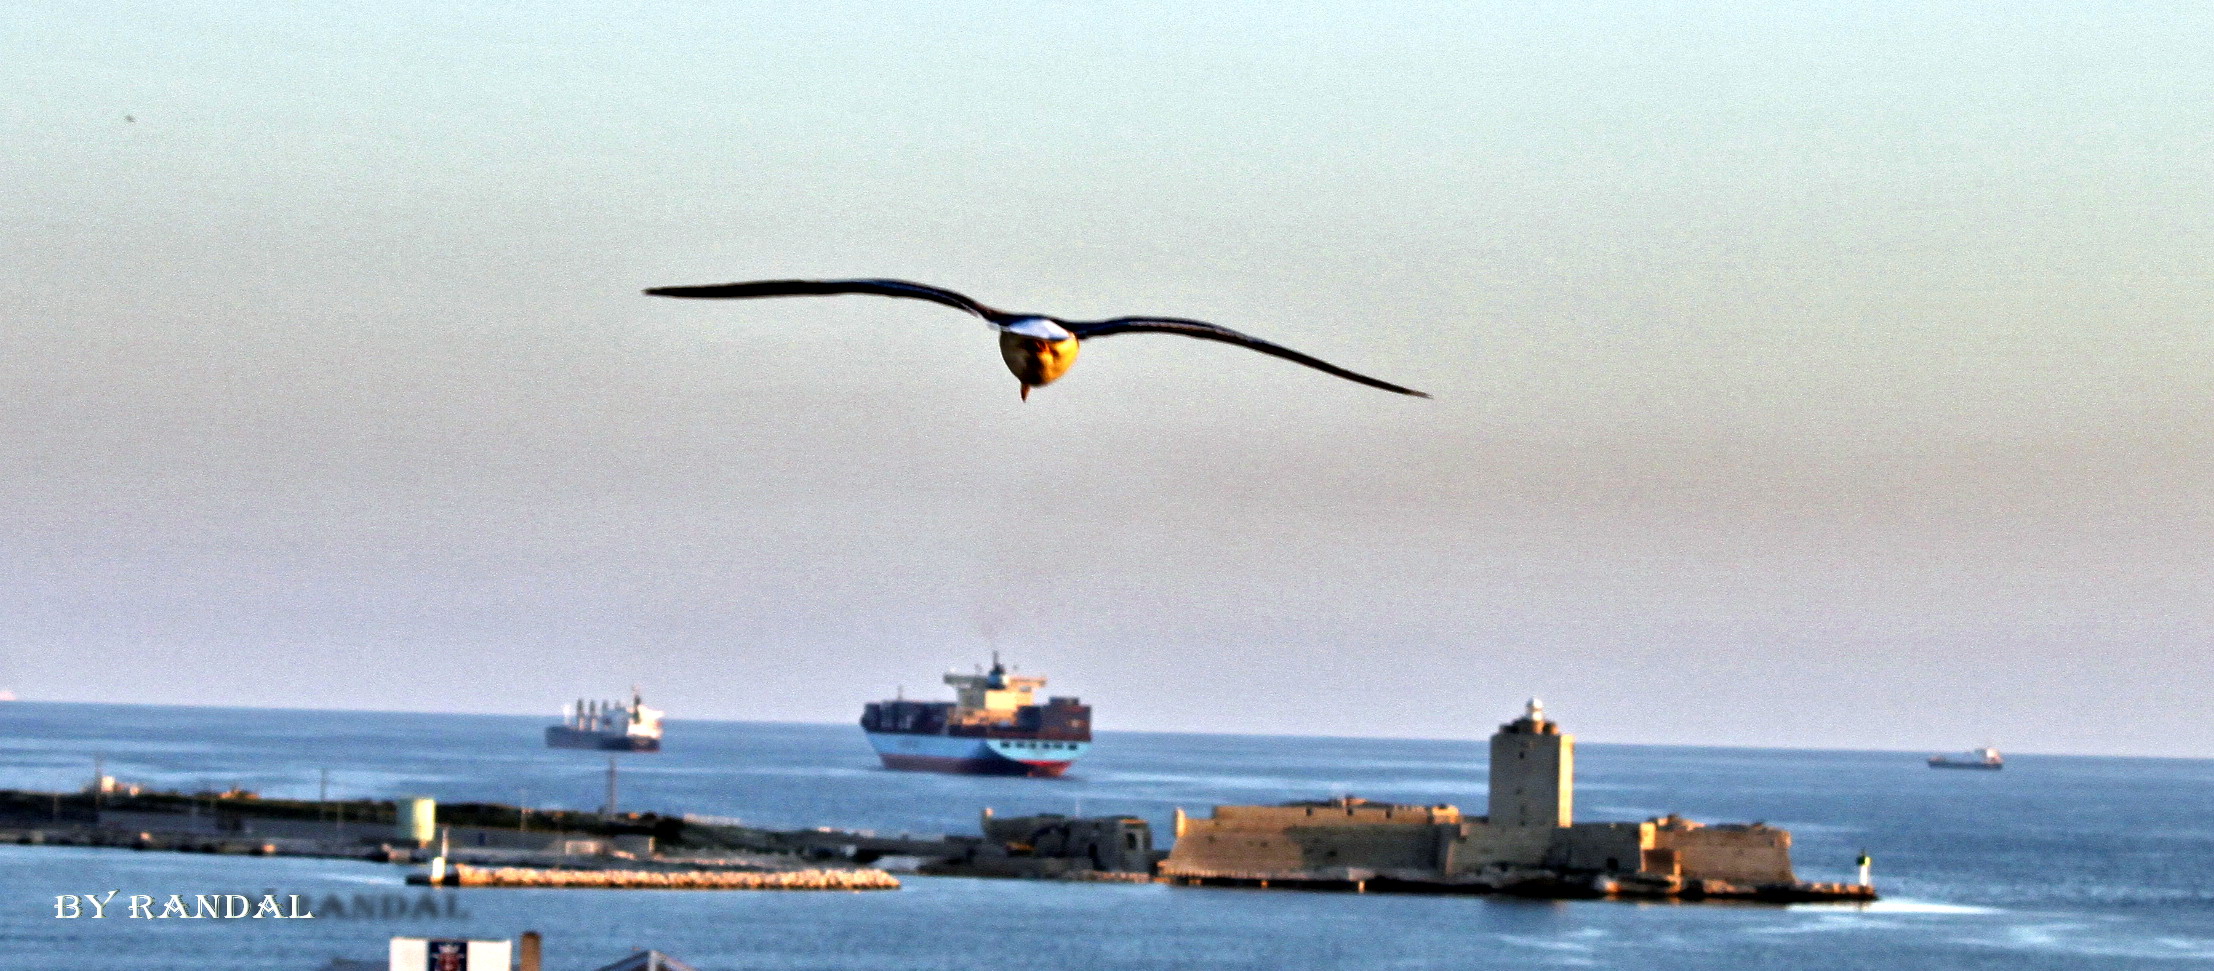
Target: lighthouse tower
1533, 772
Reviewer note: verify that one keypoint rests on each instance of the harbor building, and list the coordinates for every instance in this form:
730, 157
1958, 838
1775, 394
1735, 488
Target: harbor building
1110, 844
1053, 846
1529, 842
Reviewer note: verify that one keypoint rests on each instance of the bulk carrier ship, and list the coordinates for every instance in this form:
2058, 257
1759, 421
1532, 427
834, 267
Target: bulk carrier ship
608, 726
992, 727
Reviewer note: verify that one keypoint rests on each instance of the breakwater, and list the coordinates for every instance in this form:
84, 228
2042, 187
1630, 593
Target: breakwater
1535, 884
475, 876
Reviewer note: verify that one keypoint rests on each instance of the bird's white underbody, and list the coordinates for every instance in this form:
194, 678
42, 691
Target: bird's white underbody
1041, 328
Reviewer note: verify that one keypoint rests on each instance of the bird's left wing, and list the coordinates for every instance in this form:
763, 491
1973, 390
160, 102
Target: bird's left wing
1216, 332
824, 288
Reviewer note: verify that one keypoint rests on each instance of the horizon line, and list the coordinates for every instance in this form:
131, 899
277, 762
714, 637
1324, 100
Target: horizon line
1117, 731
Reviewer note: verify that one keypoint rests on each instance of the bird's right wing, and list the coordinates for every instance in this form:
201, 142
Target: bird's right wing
824, 288
1216, 332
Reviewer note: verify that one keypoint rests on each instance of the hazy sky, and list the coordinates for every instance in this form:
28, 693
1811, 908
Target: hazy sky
1833, 375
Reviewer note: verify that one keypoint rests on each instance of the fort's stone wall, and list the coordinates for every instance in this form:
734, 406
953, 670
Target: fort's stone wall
1208, 849
1309, 838
1478, 845
1600, 847
1532, 795
1753, 854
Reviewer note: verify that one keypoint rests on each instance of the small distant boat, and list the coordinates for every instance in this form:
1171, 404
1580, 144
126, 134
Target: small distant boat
608, 726
1975, 758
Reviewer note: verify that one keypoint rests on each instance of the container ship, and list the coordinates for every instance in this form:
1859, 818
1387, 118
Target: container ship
992, 727
608, 726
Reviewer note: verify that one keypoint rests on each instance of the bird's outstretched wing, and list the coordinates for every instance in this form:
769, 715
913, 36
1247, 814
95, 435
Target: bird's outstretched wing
824, 288
1215, 332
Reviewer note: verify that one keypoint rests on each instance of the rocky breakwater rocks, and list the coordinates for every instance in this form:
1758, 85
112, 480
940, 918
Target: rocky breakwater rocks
473, 876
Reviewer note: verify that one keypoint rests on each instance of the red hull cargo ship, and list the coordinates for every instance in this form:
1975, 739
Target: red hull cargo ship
993, 727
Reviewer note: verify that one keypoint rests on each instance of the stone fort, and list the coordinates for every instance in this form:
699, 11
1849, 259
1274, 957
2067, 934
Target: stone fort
1529, 833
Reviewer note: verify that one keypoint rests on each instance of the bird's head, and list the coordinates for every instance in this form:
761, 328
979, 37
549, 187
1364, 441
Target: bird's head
1037, 350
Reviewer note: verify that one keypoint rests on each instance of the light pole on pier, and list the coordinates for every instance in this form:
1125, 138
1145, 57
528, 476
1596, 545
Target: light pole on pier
610, 809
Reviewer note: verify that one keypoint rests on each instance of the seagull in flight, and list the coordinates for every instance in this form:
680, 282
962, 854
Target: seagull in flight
1036, 347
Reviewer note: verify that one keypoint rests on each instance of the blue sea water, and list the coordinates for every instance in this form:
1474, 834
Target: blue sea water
2057, 862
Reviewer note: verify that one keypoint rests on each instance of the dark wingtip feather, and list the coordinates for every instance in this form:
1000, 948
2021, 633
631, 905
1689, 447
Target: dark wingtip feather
1388, 386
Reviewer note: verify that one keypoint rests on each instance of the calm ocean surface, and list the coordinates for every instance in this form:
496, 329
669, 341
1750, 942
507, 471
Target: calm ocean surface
2057, 862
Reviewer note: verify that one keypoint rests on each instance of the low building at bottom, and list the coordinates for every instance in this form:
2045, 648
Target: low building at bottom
1528, 843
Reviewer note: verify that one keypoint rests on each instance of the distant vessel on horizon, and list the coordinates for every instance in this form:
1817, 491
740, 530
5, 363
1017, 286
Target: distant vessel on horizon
1975, 758
993, 727
608, 726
